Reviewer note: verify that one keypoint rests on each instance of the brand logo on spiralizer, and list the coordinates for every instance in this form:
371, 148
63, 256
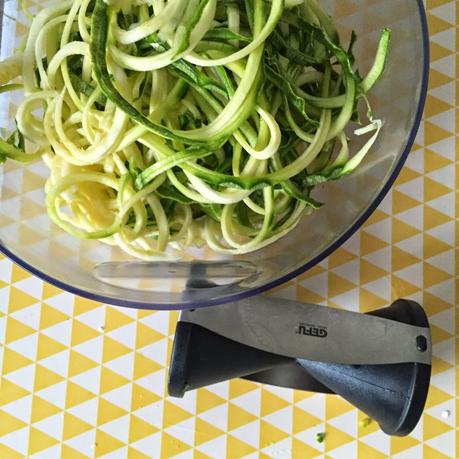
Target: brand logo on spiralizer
311, 330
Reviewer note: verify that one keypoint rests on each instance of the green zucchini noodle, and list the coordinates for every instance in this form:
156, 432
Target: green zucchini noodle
177, 123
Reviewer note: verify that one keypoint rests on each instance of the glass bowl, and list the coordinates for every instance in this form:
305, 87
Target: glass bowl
202, 278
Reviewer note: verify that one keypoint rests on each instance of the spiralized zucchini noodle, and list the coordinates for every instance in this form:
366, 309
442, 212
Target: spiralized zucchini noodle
187, 122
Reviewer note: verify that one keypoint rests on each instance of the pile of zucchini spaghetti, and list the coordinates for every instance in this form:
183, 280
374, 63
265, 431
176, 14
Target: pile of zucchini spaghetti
187, 122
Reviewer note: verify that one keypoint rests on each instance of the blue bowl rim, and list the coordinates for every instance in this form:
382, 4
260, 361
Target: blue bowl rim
281, 280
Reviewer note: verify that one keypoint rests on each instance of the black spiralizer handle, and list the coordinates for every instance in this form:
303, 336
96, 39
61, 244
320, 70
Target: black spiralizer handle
393, 395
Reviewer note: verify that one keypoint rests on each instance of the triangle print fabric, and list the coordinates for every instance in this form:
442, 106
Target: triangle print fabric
86, 380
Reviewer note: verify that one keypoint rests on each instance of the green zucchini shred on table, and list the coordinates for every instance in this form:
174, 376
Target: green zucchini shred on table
173, 123
320, 437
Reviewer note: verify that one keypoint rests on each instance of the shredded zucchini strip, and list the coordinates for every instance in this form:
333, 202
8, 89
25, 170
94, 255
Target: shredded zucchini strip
182, 122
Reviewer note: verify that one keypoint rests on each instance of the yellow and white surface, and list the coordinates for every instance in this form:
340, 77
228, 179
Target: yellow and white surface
81, 380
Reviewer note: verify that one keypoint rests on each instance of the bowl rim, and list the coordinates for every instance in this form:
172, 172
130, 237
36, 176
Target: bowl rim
239, 295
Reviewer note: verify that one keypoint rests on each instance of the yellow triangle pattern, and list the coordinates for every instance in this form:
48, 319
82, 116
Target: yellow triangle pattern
302, 420
340, 257
111, 380
70, 453
370, 272
142, 397
9, 453
436, 396
173, 414
50, 291
108, 411
136, 454
238, 387
270, 434
172, 446
405, 249
9, 423
205, 432
206, 400
302, 450
146, 335
367, 452
433, 427
82, 333
431, 453
48, 347
39, 441
308, 296
400, 444
13, 361
370, 244
115, 318
17, 330
113, 349
10, 392
105, 443
79, 363
335, 438
42, 409
336, 406
19, 300
139, 429
76, 395
83, 305
271, 403
45, 378
74, 426
51, 316
238, 417
237, 448
144, 366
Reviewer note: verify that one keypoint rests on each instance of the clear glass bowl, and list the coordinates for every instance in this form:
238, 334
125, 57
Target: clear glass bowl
95, 271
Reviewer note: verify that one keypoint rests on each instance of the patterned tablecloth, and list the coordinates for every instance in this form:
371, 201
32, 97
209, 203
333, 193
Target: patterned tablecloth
81, 379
